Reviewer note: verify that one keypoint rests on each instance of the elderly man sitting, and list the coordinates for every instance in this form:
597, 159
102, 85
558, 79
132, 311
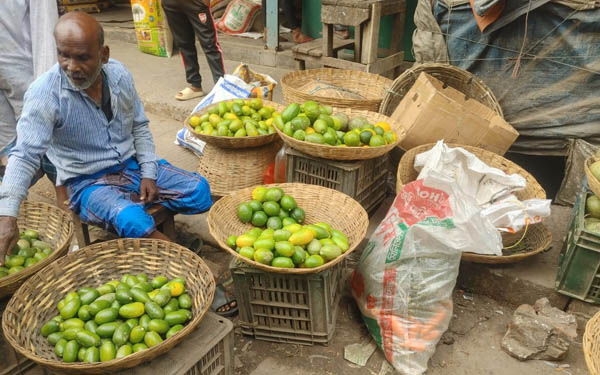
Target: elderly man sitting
86, 116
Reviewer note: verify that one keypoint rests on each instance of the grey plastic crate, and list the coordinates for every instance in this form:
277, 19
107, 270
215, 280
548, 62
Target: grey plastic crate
363, 180
298, 309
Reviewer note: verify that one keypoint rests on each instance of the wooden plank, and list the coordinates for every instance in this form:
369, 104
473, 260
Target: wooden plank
371, 36
358, 36
327, 39
272, 24
338, 15
342, 64
306, 47
385, 64
393, 7
398, 29
314, 48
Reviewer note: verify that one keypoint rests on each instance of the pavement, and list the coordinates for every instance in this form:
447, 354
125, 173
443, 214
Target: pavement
479, 323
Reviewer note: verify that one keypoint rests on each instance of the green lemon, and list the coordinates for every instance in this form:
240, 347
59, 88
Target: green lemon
271, 208
231, 241
282, 262
247, 252
314, 261
365, 136
256, 205
244, 212
298, 215
263, 256
284, 248
274, 222
283, 214
273, 194
299, 134
259, 218
352, 139
320, 126
288, 220
288, 203
281, 235
376, 141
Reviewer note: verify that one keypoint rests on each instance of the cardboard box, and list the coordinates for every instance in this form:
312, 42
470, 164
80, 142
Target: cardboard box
147, 14
430, 112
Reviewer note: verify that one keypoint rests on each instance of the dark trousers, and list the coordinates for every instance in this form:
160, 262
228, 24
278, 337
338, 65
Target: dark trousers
187, 19
289, 11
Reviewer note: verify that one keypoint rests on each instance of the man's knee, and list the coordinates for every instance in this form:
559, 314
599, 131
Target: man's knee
134, 222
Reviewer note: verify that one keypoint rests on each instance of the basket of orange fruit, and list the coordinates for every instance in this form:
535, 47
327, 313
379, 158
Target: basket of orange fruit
337, 134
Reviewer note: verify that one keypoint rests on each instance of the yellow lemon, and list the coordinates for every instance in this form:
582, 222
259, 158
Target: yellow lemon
195, 121
176, 288
384, 125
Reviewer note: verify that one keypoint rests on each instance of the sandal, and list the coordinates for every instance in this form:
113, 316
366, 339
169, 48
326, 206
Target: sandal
188, 93
299, 37
224, 304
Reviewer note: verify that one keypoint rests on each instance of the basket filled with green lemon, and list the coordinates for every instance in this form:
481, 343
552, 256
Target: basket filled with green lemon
337, 134
238, 123
288, 228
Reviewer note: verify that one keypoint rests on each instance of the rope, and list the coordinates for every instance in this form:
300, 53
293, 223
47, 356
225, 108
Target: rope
520, 240
518, 62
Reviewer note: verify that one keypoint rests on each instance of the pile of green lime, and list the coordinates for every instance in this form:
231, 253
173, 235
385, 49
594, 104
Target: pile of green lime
314, 123
236, 118
118, 318
284, 243
270, 207
28, 251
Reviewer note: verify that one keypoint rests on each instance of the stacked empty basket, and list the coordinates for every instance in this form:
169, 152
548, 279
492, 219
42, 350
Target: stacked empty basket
358, 172
231, 163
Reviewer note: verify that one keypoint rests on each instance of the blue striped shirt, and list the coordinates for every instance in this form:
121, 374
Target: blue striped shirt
71, 129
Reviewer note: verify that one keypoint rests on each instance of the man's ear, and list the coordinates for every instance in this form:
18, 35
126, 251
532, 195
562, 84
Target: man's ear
105, 54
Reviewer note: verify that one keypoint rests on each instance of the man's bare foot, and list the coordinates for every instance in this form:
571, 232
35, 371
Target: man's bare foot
300, 37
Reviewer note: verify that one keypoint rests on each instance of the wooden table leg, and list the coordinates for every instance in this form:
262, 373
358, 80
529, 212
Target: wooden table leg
327, 40
371, 35
358, 32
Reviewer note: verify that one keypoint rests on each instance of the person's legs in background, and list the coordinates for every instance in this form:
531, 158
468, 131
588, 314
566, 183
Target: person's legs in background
201, 19
184, 38
290, 15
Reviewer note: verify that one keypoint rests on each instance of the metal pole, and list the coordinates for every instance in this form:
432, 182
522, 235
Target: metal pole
272, 18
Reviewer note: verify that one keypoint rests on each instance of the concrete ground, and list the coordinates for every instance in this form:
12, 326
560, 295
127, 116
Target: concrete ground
472, 344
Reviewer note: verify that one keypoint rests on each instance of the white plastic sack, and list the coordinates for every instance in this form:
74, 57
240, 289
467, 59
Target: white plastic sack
239, 16
491, 187
186, 140
404, 281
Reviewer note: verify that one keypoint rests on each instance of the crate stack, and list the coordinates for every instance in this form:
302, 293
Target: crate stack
578, 273
362, 176
88, 6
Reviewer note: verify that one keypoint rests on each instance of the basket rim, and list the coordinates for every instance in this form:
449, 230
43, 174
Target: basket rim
501, 259
294, 271
359, 153
593, 182
286, 85
148, 354
220, 140
11, 280
593, 364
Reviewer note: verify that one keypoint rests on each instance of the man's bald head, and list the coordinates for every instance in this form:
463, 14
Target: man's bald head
80, 49
81, 25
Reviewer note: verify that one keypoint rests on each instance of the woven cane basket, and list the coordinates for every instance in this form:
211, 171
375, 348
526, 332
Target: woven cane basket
592, 180
461, 80
320, 205
371, 87
35, 302
228, 170
348, 153
529, 241
53, 225
591, 344
233, 142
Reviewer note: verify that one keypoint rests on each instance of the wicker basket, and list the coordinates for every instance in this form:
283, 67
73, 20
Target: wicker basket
35, 302
372, 86
591, 344
452, 76
537, 241
229, 170
233, 142
54, 226
319, 203
592, 180
348, 153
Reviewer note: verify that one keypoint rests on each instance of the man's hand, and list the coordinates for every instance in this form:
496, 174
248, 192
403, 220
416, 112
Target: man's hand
9, 235
148, 190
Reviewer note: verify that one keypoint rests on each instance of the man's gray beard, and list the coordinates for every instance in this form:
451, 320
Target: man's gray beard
87, 84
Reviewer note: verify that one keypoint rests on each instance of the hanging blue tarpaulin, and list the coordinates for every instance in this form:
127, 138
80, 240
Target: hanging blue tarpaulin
554, 95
